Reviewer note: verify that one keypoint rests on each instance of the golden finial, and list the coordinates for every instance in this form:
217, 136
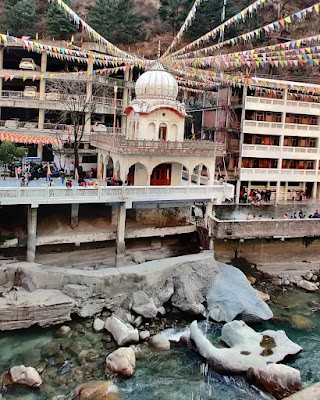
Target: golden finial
159, 50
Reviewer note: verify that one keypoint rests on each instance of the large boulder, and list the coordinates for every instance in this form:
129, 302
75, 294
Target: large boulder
310, 393
248, 349
191, 285
143, 305
231, 295
121, 362
122, 333
276, 379
306, 285
97, 390
159, 342
27, 376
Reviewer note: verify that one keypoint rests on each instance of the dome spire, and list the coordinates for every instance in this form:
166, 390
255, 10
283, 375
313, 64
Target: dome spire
159, 50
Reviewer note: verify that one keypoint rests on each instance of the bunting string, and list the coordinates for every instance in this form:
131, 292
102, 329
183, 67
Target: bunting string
246, 37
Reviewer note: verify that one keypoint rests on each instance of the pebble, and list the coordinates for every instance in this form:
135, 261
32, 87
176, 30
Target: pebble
144, 335
63, 332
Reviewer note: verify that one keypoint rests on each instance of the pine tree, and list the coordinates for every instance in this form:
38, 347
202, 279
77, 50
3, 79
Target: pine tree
116, 21
174, 12
57, 23
21, 17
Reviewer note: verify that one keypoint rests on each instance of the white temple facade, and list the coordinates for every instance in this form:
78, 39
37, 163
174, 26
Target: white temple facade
153, 151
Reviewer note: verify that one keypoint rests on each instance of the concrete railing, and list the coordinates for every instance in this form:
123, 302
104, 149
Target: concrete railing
111, 194
265, 151
192, 147
265, 228
279, 128
274, 174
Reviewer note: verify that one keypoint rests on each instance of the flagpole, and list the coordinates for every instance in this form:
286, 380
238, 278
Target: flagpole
115, 110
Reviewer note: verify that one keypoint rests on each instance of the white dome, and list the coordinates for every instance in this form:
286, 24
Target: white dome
156, 84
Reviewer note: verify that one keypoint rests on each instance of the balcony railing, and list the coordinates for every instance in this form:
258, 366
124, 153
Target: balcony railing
156, 146
301, 107
269, 172
276, 127
56, 97
278, 149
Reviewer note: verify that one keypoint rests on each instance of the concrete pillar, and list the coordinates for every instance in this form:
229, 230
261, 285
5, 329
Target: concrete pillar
99, 165
114, 214
238, 188
32, 233
1, 67
278, 187
189, 178
87, 128
249, 187
199, 175
41, 118
104, 174
125, 98
209, 206
44, 61
74, 215
285, 191
314, 190
40, 151
120, 245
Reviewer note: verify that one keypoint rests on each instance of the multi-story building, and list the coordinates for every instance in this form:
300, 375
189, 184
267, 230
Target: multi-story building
272, 136
28, 107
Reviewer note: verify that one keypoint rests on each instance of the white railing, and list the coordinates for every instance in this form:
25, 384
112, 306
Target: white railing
109, 194
278, 127
275, 171
285, 105
55, 97
278, 149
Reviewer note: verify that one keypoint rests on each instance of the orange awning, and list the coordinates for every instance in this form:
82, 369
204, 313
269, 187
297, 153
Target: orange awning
26, 139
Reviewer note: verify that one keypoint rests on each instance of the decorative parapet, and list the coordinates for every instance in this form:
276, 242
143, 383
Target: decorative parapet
113, 194
119, 144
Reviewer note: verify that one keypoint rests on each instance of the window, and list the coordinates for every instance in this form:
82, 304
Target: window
260, 116
278, 117
89, 159
297, 119
163, 132
312, 142
314, 120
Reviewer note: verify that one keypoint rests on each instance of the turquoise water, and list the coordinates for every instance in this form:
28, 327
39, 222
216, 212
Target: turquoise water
162, 376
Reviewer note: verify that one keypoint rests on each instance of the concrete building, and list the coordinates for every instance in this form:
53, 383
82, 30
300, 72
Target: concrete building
272, 138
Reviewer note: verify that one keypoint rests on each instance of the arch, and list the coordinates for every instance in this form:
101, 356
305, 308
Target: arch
152, 131
109, 167
200, 175
163, 131
174, 132
138, 175
169, 174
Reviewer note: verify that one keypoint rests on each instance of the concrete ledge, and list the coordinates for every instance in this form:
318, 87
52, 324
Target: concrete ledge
104, 236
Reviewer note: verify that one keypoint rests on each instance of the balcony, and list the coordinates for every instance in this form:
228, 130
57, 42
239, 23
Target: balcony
283, 175
97, 79
261, 151
276, 105
52, 101
279, 128
119, 144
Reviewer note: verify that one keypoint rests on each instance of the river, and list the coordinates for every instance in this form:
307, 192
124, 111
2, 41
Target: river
177, 375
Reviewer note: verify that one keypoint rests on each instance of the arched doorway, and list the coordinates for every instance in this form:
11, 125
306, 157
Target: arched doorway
163, 132
138, 175
200, 175
161, 175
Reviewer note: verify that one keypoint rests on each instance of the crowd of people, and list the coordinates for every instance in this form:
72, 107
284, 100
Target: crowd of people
255, 197
300, 215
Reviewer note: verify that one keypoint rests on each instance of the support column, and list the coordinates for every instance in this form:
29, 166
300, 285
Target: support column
42, 89
314, 190
278, 187
1, 67
114, 214
209, 206
104, 174
189, 179
249, 187
125, 99
40, 151
120, 245
74, 215
238, 188
32, 233
243, 117
99, 165
199, 175
87, 129
285, 191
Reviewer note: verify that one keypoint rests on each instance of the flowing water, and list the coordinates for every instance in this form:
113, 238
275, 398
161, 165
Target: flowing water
177, 375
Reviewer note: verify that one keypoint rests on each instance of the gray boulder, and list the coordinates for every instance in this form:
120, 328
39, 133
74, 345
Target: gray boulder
248, 349
159, 342
231, 295
143, 305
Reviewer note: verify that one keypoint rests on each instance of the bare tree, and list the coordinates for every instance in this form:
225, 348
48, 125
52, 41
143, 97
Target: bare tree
78, 107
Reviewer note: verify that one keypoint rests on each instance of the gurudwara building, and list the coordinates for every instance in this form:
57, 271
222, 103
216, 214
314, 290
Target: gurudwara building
152, 150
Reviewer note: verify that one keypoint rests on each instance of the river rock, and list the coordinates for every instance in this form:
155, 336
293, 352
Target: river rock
159, 342
310, 393
63, 332
51, 349
309, 286
262, 296
144, 335
143, 305
121, 362
231, 295
97, 390
300, 322
276, 379
98, 325
122, 333
248, 349
27, 376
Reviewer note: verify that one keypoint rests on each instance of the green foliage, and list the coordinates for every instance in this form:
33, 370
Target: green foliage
10, 153
57, 23
116, 21
174, 12
21, 17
